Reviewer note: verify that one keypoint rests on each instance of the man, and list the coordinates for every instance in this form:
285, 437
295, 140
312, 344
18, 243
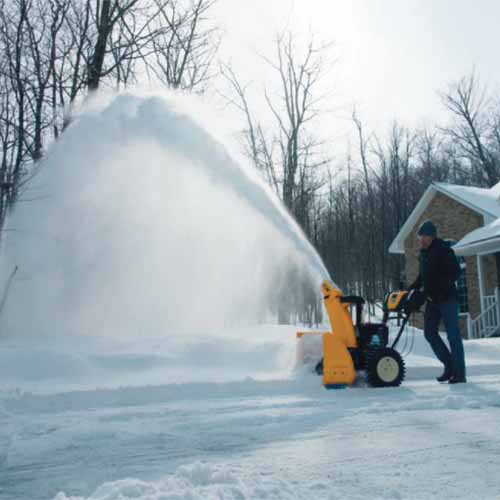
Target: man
439, 270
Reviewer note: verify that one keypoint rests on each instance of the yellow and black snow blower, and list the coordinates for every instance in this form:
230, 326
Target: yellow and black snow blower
352, 345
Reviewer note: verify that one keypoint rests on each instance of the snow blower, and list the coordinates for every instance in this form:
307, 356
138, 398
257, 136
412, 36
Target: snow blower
352, 345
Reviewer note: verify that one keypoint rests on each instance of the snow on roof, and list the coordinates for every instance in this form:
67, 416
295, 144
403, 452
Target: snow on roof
484, 201
483, 240
496, 191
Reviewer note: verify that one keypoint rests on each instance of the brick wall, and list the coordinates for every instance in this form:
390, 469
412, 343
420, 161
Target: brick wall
453, 221
490, 274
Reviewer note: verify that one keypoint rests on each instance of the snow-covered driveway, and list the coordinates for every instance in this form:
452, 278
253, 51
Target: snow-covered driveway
266, 437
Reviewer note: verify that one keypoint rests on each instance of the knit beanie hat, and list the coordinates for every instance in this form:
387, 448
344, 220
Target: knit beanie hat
427, 229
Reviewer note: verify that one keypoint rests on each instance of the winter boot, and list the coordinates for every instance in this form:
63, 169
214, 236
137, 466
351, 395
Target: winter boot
446, 376
457, 380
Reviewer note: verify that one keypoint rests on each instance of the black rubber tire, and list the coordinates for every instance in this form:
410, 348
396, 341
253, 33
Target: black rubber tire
384, 367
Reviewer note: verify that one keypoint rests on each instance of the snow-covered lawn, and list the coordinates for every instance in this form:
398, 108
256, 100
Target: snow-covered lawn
224, 417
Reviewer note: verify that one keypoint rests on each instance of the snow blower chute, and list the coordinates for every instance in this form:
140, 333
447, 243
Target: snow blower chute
352, 345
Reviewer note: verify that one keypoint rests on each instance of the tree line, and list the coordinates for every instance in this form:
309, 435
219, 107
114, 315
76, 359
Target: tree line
54, 53
387, 175
352, 210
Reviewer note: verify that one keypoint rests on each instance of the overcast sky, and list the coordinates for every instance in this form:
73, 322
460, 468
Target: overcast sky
393, 55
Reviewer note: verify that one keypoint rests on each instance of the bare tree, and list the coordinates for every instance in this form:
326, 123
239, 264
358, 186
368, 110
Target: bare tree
7, 145
288, 152
13, 33
370, 262
472, 129
53, 53
43, 30
107, 14
185, 44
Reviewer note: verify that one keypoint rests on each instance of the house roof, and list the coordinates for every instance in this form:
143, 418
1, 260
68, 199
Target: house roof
484, 201
483, 240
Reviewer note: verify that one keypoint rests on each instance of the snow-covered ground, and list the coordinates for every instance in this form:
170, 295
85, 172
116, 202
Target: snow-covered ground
226, 417
156, 231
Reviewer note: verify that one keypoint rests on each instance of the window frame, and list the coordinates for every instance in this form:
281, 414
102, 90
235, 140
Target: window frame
461, 283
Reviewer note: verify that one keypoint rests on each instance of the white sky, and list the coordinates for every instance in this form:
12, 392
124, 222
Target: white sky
393, 55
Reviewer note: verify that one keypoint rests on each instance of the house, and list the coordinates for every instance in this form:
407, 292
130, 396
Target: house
469, 217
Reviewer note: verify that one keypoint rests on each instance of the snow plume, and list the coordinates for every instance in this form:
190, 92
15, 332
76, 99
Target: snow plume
139, 223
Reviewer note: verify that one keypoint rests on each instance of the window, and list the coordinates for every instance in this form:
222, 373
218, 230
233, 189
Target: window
463, 294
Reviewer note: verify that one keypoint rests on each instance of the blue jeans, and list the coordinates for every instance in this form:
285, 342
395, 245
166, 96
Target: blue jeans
448, 312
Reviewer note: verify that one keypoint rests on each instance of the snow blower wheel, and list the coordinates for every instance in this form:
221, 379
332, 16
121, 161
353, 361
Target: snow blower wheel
384, 367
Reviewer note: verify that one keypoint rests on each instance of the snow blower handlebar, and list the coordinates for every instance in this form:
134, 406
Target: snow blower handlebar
402, 305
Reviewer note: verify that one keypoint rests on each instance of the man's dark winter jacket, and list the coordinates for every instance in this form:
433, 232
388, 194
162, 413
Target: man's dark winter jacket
439, 270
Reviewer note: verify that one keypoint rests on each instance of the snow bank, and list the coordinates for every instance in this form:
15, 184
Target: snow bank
139, 224
198, 481
83, 362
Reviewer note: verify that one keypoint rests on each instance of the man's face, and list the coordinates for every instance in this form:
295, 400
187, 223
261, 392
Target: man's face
424, 242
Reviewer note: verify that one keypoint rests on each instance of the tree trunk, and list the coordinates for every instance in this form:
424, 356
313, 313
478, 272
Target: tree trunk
97, 62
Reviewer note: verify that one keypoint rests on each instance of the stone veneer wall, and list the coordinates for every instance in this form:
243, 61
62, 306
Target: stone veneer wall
490, 274
453, 221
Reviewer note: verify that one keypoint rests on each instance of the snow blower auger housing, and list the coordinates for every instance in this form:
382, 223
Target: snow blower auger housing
352, 345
